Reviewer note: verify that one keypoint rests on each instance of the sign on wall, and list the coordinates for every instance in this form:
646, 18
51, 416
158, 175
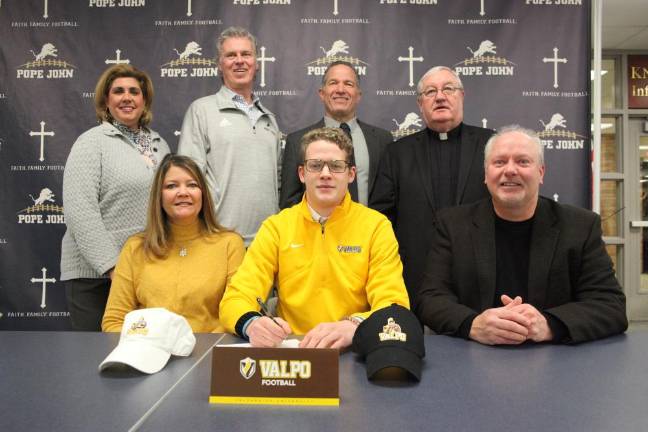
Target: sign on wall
638, 81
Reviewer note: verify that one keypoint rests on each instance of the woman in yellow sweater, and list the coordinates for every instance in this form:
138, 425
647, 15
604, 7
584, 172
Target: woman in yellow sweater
183, 259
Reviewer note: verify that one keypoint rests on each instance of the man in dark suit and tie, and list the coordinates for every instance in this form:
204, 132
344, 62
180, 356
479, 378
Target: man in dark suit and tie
340, 93
440, 166
517, 266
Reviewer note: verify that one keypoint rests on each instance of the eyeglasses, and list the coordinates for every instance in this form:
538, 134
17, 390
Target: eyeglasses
317, 165
448, 90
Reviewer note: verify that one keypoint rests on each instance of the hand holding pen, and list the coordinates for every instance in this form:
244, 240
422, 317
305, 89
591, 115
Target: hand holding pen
267, 331
265, 311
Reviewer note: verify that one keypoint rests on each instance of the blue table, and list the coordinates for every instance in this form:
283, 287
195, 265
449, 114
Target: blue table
598, 386
49, 382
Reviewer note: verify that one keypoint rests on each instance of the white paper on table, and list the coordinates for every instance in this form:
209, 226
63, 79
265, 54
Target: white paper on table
286, 343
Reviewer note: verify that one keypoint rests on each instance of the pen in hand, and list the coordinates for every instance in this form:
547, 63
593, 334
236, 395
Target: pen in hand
266, 312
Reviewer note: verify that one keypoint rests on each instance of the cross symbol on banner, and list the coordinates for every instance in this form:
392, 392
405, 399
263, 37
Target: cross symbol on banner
118, 59
176, 133
482, 12
484, 123
42, 135
411, 59
44, 280
335, 7
555, 60
188, 7
45, 9
263, 59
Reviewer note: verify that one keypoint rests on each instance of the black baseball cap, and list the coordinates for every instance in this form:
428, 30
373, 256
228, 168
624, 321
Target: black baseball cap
391, 337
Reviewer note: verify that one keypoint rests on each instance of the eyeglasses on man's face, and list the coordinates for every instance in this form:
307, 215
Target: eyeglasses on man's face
317, 165
447, 90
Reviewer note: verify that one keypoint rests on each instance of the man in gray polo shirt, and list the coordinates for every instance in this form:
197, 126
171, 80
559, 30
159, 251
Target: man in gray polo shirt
235, 139
340, 94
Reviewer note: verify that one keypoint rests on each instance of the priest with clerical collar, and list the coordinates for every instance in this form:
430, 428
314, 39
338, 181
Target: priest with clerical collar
440, 166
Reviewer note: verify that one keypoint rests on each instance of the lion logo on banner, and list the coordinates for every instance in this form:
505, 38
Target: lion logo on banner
48, 50
247, 367
487, 54
557, 120
338, 47
192, 48
486, 47
410, 124
556, 127
46, 194
411, 120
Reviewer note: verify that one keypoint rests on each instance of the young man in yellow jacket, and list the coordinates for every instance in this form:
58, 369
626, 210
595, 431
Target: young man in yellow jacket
334, 261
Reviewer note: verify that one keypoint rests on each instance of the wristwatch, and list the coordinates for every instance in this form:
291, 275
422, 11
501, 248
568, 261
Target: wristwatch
354, 319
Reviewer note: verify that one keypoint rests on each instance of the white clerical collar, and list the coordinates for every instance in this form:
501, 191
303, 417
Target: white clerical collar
444, 136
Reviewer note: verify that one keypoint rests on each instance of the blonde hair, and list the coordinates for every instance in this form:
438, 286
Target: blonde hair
157, 234
105, 82
333, 135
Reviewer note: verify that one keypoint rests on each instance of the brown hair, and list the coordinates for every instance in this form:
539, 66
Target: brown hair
157, 232
333, 135
123, 71
338, 63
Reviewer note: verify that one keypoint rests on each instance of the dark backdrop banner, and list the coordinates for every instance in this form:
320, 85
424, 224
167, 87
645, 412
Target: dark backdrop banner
521, 61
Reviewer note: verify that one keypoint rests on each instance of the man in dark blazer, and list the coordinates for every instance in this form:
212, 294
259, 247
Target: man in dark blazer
438, 167
340, 93
517, 266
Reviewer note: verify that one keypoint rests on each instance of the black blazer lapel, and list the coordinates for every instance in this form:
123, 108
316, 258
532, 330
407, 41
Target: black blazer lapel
482, 233
373, 149
544, 238
421, 162
468, 153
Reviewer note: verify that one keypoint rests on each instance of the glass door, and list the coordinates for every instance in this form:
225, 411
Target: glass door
636, 276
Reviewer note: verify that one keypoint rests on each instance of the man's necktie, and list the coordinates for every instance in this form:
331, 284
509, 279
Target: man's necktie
347, 130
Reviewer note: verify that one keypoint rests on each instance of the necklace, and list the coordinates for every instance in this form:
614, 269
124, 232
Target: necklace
183, 251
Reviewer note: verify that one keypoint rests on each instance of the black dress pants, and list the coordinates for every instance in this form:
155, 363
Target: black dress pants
86, 301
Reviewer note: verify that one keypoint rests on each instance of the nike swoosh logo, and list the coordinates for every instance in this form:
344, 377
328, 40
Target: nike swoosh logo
296, 245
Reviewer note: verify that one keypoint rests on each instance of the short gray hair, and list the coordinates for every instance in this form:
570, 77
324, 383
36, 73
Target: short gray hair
235, 32
432, 71
530, 134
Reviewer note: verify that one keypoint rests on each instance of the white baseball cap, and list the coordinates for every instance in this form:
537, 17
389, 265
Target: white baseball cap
148, 338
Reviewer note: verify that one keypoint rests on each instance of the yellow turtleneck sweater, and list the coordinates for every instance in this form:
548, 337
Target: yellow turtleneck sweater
191, 285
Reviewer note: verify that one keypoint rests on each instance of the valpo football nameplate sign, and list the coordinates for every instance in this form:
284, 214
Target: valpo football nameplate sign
275, 376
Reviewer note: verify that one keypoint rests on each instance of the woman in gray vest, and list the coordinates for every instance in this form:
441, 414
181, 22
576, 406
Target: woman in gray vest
105, 189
